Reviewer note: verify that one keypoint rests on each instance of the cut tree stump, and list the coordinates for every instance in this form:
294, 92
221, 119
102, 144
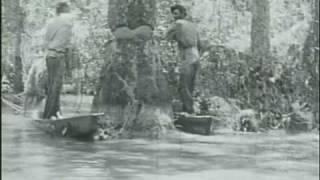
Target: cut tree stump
198, 124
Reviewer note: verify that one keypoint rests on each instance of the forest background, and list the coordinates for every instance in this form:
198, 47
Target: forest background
235, 67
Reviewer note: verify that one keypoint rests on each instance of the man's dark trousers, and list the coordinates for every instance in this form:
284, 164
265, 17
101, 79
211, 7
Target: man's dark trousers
186, 85
55, 68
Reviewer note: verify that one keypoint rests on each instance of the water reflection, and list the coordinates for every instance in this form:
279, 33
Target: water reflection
28, 153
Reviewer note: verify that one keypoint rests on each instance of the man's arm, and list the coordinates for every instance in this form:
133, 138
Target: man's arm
47, 36
172, 32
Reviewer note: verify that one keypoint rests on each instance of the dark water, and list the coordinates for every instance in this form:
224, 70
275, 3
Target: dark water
28, 153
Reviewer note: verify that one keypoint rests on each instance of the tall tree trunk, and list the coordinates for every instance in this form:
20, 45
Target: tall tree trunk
260, 28
132, 90
311, 44
260, 50
311, 59
3, 42
18, 69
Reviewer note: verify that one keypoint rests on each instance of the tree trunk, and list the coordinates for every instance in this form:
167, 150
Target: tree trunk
133, 91
260, 28
260, 50
18, 69
311, 45
311, 60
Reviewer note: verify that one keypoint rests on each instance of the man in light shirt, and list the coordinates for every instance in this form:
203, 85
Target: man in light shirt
57, 43
187, 37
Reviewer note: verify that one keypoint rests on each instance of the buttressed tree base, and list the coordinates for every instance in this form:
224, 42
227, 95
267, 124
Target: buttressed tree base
132, 91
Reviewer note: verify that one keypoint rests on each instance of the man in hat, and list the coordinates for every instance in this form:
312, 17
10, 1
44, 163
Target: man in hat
57, 42
186, 35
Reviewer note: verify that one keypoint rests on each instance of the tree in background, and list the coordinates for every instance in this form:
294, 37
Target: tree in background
260, 29
132, 90
260, 51
310, 60
18, 67
13, 21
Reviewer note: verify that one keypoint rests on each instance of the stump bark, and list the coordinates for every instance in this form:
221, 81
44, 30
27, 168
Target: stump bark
132, 91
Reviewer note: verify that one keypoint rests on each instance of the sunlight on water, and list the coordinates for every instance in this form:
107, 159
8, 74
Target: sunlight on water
28, 153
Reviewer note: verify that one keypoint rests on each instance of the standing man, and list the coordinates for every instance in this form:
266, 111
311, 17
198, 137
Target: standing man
187, 36
57, 42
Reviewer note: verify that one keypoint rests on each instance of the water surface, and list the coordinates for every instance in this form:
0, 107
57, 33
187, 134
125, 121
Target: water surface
28, 153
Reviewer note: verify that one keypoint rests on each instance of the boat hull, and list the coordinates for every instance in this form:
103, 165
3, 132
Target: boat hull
197, 124
77, 126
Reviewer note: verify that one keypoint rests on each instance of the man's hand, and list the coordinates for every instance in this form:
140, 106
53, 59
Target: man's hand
140, 33
123, 33
143, 33
172, 31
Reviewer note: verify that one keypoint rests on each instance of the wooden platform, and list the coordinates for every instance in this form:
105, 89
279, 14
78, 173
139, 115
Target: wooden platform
198, 124
76, 126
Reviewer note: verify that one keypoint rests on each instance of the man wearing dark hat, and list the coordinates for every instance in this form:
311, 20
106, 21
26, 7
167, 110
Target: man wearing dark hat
57, 41
187, 37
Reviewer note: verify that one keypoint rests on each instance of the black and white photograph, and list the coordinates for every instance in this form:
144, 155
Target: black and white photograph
159, 89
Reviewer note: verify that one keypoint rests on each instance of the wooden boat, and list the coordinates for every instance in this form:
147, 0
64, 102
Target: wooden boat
198, 124
83, 126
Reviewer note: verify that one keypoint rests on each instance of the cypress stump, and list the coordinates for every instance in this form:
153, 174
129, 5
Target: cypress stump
132, 91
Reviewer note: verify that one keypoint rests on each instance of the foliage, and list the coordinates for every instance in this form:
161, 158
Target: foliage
269, 89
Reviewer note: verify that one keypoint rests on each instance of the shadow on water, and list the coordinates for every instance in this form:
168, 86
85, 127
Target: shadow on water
28, 153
